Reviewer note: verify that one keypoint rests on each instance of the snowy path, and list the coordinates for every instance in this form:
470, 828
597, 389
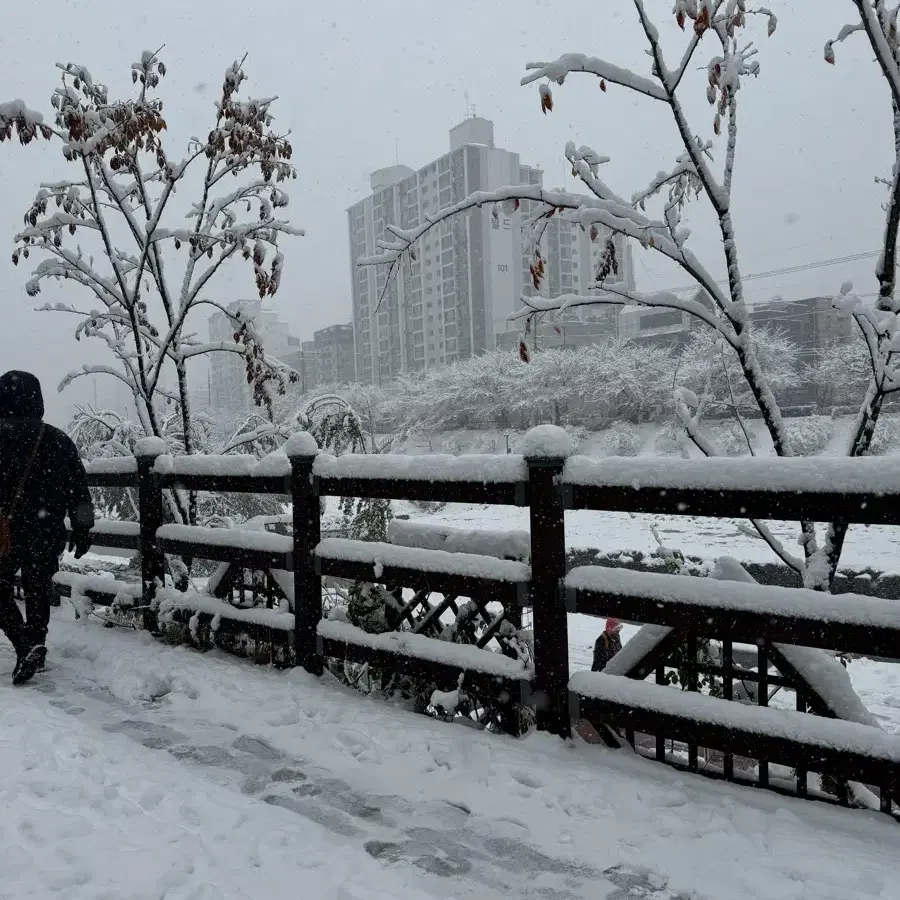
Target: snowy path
135, 770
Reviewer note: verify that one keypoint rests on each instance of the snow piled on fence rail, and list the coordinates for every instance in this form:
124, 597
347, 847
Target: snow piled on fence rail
171, 601
113, 465
635, 649
235, 465
238, 538
439, 467
382, 555
777, 723
731, 595
405, 643
860, 475
513, 544
99, 583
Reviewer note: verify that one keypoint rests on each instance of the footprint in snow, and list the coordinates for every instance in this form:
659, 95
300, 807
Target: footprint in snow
527, 779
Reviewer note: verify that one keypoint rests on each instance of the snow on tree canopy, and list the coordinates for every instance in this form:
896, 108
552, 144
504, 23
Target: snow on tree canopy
438, 467
506, 544
301, 443
464, 656
17, 109
150, 446
863, 475
546, 442
465, 564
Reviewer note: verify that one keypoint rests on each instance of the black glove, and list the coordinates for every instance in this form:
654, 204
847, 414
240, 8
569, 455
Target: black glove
80, 542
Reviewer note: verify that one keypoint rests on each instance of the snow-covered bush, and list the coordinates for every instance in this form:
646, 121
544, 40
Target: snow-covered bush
577, 436
666, 442
486, 444
623, 439
731, 440
887, 436
811, 434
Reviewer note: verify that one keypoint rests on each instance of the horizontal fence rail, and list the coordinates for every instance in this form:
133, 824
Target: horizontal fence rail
527, 570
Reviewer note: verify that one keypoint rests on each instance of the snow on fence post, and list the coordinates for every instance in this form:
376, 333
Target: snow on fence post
302, 449
545, 449
150, 512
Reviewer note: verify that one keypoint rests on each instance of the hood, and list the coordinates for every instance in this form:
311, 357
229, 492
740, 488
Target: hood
20, 396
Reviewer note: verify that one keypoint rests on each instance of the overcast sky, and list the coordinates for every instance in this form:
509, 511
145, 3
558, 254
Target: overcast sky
358, 79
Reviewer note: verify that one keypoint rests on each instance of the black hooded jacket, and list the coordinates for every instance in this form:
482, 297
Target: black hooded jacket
57, 485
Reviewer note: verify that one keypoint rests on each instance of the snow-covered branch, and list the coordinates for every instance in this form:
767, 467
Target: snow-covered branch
569, 63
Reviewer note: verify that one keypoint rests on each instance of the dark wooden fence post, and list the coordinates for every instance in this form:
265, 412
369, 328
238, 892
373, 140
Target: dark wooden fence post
548, 571
150, 512
302, 450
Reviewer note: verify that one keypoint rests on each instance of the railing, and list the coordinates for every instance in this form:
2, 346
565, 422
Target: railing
782, 624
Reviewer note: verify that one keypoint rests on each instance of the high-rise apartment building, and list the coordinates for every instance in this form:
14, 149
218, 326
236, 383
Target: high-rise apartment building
470, 271
335, 348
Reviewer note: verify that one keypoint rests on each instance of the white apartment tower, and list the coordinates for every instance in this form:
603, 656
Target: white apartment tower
454, 300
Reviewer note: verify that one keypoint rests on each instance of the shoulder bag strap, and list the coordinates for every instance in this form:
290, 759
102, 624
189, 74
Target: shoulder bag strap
17, 497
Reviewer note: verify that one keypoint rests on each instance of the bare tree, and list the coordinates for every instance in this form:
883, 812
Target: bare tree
696, 176
103, 229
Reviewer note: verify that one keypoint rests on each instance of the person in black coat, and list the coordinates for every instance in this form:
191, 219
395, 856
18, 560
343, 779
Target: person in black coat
608, 645
42, 479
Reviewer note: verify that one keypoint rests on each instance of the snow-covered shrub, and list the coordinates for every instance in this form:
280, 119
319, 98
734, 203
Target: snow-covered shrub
486, 444
452, 445
666, 442
731, 440
810, 435
578, 434
887, 436
373, 608
623, 439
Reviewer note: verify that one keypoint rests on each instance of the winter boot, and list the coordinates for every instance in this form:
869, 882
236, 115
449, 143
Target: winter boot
27, 664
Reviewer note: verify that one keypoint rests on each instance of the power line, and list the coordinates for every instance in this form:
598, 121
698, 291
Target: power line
789, 270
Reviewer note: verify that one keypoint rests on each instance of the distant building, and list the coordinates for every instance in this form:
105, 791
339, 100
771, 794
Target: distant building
336, 355
811, 323
455, 298
229, 391
305, 362
662, 326
571, 332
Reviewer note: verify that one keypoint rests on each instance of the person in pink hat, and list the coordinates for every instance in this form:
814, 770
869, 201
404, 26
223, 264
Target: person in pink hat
608, 645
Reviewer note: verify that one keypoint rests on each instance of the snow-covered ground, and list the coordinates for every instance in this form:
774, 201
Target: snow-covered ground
876, 546
132, 769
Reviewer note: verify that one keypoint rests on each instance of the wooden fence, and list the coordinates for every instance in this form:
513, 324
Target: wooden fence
838, 742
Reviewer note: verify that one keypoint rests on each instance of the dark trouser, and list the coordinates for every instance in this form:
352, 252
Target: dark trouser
37, 582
